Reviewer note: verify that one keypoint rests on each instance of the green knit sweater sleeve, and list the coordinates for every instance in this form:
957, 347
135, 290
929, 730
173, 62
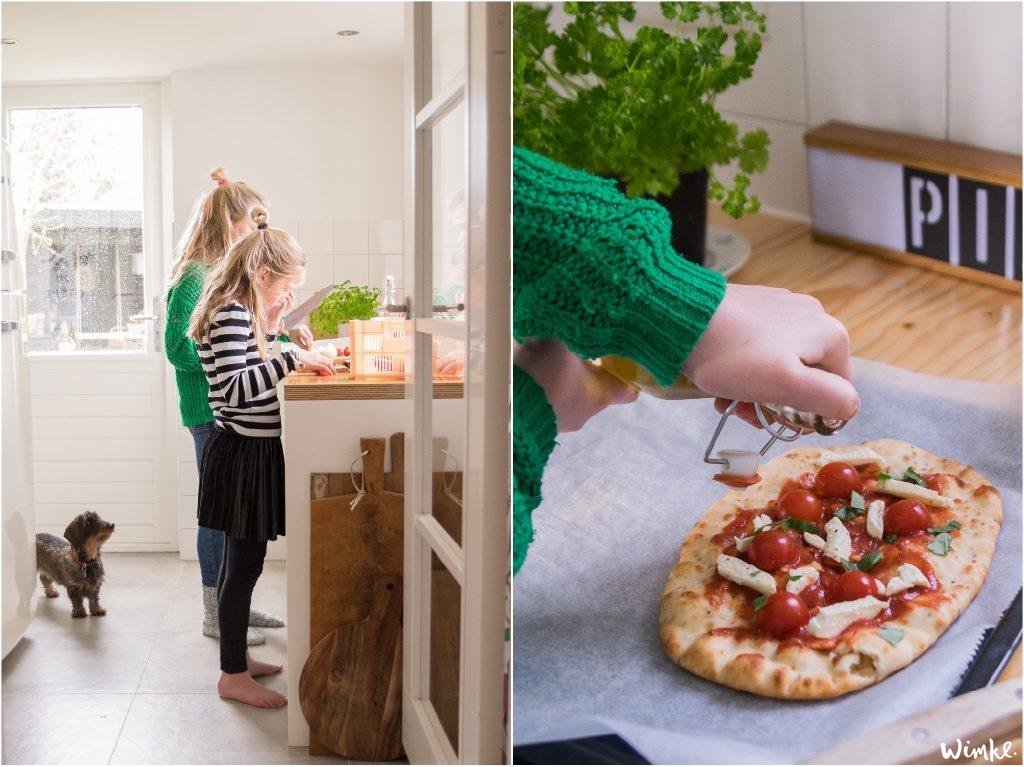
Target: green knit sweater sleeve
597, 271
181, 350
533, 439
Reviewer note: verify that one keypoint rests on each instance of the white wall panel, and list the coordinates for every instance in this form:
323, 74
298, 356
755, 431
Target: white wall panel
316, 237
91, 471
137, 427
985, 75
71, 405
776, 89
80, 449
878, 64
90, 493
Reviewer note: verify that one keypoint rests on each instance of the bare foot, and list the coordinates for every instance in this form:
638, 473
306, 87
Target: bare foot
242, 687
259, 668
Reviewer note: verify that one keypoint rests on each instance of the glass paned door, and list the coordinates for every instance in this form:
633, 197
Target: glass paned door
456, 537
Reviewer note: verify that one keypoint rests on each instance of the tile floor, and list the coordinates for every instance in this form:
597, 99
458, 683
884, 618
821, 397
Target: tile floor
138, 685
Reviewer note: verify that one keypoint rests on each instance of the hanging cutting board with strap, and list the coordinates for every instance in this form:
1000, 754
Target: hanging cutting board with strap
350, 690
350, 548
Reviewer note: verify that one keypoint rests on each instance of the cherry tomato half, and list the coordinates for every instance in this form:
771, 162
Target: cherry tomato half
854, 584
837, 480
801, 504
772, 550
783, 614
906, 516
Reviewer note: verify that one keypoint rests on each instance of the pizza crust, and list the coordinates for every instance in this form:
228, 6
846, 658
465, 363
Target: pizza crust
757, 663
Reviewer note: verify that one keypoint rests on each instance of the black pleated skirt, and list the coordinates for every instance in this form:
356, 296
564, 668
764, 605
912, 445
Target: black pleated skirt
241, 490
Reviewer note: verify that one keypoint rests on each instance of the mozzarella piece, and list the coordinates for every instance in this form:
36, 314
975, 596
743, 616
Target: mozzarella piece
805, 576
762, 520
902, 489
743, 542
859, 457
875, 519
814, 540
832, 620
908, 576
837, 541
880, 586
745, 574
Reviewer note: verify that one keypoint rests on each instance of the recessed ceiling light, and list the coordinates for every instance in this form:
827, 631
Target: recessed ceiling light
348, 32
9, 41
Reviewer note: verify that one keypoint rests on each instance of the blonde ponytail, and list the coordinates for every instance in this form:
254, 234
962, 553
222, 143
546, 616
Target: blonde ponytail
209, 232
233, 278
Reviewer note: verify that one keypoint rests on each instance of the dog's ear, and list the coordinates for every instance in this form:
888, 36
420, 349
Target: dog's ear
75, 532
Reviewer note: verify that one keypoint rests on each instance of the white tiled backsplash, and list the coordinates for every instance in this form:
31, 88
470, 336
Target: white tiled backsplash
358, 250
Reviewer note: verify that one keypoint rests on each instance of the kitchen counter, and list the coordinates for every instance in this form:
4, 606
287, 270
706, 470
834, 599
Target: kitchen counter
914, 318
308, 386
323, 420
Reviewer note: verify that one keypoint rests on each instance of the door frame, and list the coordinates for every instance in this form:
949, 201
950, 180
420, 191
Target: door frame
481, 565
152, 97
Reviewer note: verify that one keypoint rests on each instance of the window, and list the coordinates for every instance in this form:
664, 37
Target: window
78, 176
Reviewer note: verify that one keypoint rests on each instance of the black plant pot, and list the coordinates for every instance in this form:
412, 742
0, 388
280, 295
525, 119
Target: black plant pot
687, 206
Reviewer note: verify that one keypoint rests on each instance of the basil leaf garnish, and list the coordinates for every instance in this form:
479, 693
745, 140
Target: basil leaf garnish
891, 538
792, 523
946, 528
868, 561
941, 545
890, 634
847, 564
913, 477
759, 601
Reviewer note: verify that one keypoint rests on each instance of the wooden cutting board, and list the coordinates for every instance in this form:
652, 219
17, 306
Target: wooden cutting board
351, 548
350, 690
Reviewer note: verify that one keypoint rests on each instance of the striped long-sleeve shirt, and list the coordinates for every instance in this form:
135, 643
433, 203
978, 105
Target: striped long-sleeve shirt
243, 393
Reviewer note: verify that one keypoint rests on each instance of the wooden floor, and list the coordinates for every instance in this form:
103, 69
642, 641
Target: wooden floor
902, 315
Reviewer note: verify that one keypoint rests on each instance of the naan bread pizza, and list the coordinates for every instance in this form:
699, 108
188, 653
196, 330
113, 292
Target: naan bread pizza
837, 569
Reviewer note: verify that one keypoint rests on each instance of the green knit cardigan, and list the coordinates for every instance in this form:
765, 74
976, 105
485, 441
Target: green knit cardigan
595, 270
193, 389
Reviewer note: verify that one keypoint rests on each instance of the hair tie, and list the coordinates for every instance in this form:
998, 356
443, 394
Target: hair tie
262, 225
221, 181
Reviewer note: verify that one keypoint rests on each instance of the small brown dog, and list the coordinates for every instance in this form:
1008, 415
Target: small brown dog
75, 563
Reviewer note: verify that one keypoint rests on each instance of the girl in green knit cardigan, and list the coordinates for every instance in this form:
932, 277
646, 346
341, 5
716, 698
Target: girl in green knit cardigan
220, 218
594, 274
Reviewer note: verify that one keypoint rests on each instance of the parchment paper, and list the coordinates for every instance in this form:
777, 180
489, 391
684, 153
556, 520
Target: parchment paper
620, 496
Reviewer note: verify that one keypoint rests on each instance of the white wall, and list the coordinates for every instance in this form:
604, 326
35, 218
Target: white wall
944, 70
325, 148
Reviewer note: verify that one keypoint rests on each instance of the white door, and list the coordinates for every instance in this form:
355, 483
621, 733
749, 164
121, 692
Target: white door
457, 496
88, 161
19, 546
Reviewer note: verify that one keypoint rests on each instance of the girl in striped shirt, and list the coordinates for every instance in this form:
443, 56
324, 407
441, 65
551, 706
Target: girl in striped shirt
241, 492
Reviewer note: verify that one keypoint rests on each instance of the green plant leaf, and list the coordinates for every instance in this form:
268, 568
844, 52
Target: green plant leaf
759, 601
346, 302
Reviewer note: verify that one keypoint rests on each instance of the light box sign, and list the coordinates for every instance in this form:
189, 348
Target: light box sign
961, 213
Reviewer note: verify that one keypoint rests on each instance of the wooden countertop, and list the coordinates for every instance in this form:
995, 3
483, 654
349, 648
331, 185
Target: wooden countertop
307, 386
903, 315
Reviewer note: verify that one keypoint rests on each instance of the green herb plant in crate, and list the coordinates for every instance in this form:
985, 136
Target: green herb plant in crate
346, 302
640, 108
